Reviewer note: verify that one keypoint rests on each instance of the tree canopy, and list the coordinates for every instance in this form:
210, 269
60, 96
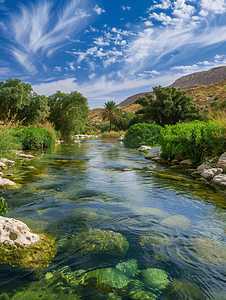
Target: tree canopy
68, 112
171, 106
19, 102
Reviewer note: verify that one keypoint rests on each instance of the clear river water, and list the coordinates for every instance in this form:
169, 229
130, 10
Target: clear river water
79, 191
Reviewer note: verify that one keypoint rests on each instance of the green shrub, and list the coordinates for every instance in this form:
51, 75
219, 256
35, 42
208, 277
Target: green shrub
3, 207
194, 140
34, 137
142, 134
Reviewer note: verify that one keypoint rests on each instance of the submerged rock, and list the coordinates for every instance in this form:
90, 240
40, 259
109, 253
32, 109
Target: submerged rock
177, 220
96, 240
128, 268
183, 290
156, 239
156, 278
208, 250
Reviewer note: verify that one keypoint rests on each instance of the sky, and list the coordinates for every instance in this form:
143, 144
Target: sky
109, 50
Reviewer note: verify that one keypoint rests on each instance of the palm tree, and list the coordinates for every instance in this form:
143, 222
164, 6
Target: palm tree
110, 112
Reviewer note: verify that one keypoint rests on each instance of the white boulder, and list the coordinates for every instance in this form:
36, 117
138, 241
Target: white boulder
5, 182
203, 167
222, 161
2, 165
154, 152
29, 156
220, 179
144, 148
7, 161
15, 232
210, 173
121, 138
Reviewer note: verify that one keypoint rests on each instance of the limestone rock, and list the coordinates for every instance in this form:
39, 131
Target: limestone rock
154, 152
15, 232
222, 161
121, 138
2, 165
7, 161
6, 182
220, 179
144, 148
187, 162
210, 173
29, 156
203, 167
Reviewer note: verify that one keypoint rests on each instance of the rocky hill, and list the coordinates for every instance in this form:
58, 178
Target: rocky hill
208, 89
201, 78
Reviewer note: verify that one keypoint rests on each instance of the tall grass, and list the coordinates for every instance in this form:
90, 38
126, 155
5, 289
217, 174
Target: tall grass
8, 141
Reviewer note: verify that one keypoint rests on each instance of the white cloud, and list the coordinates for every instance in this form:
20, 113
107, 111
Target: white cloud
5, 71
162, 17
57, 69
164, 5
100, 42
148, 23
217, 6
203, 13
125, 7
98, 10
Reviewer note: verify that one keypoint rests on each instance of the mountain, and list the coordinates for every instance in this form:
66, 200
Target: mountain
201, 78
189, 81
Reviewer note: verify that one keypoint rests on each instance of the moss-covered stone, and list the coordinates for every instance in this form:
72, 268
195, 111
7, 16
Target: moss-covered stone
35, 256
156, 278
156, 239
142, 295
177, 220
128, 268
95, 240
107, 279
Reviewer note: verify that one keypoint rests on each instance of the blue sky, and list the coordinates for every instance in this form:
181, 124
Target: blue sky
109, 50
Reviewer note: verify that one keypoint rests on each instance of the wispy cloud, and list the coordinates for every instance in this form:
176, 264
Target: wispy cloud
38, 29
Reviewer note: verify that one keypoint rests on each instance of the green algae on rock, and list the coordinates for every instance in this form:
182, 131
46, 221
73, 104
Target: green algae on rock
96, 240
156, 239
35, 256
108, 279
156, 278
128, 268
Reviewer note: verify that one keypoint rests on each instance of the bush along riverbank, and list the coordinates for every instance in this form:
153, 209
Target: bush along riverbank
196, 148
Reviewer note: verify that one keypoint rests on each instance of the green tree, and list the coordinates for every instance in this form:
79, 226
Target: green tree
110, 113
171, 106
18, 101
14, 96
68, 112
124, 119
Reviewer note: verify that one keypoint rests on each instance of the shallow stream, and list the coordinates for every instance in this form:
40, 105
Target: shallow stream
98, 186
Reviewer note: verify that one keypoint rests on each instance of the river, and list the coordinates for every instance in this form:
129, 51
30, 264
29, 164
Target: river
95, 185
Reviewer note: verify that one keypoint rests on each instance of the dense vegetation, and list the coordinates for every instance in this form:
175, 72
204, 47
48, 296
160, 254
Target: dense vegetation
171, 106
194, 140
18, 102
142, 134
34, 137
